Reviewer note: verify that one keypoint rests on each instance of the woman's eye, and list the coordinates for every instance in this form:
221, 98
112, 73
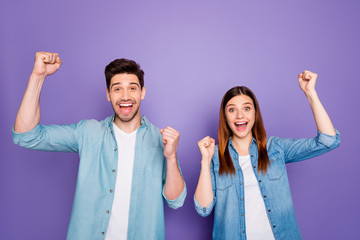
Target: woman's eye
231, 110
247, 108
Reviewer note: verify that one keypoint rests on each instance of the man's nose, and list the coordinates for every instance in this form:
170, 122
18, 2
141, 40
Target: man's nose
125, 95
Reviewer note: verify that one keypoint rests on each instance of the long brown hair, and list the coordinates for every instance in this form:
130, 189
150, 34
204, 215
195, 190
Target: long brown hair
224, 133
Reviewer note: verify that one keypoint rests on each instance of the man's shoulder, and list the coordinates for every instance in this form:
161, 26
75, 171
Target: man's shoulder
93, 125
152, 130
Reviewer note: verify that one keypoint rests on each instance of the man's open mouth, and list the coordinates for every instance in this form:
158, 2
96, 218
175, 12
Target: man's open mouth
125, 108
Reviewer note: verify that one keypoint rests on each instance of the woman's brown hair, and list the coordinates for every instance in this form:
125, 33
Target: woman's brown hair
224, 133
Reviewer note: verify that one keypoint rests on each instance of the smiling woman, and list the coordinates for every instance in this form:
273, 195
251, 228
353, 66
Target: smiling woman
245, 176
240, 117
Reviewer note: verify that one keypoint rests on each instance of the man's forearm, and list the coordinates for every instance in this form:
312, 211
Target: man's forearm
174, 184
28, 115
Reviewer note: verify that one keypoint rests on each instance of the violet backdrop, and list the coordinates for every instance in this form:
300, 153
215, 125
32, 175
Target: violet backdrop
192, 52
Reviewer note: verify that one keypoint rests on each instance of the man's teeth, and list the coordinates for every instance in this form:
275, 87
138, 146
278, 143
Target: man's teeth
125, 105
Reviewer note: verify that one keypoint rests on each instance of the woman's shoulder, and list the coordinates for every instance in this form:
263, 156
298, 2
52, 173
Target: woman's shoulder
273, 143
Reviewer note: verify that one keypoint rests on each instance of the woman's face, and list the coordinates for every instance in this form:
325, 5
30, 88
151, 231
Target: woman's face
240, 116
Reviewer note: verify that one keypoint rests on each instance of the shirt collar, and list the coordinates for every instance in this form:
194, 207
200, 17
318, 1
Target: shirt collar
110, 120
253, 141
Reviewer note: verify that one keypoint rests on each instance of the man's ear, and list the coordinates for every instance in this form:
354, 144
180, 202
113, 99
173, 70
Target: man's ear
108, 95
143, 92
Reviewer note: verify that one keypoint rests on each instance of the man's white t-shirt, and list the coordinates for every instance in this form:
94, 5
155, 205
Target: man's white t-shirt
118, 223
256, 219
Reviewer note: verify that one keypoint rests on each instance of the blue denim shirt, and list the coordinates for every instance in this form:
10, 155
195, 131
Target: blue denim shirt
95, 142
229, 216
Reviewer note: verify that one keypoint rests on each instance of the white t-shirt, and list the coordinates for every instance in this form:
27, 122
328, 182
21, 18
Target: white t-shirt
118, 223
256, 219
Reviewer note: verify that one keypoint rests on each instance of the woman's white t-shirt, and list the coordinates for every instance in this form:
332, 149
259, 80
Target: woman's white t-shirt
256, 219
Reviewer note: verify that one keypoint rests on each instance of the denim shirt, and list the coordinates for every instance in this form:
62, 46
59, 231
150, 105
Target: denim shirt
95, 142
229, 216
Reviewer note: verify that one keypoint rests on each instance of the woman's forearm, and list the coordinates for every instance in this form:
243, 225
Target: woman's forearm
322, 119
204, 192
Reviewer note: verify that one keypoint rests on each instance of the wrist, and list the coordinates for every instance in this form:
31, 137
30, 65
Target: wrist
311, 95
205, 163
37, 77
171, 158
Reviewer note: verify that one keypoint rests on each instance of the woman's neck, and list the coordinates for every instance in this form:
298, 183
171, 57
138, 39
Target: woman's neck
242, 145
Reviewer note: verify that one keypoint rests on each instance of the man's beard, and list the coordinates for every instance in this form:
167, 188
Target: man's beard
129, 118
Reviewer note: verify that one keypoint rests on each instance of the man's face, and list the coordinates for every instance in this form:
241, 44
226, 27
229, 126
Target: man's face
125, 96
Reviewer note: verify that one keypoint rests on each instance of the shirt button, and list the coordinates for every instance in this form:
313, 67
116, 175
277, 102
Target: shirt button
243, 231
254, 166
242, 214
269, 210
115, 149
264, 196
241, 199
102, 233
113, 170
107, 211
274, 226
241, 183
260, 180
111, 190
252, 155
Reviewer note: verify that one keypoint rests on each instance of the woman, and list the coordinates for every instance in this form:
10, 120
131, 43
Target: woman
245, 176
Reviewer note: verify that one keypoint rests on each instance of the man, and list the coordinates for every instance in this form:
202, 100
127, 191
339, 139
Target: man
126, 164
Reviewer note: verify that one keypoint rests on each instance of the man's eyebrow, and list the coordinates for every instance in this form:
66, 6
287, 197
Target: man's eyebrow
117, 83
134, 83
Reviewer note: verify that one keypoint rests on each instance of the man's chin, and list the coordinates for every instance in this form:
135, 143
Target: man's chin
126, 118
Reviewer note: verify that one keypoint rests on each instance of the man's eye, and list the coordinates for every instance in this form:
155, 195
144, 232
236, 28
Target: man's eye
133, 89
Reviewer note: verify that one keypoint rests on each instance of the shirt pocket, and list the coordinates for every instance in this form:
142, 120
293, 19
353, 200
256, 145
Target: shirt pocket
223, 182
276, 168
155, 161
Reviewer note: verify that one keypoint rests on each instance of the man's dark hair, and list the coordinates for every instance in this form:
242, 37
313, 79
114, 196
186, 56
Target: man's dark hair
123, 65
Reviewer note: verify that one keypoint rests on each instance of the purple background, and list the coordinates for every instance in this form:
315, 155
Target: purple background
191, 52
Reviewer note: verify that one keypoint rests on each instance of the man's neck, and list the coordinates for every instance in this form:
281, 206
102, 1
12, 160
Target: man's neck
128, 127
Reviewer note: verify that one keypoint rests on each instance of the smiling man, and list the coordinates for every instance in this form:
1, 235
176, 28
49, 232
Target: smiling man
127, 165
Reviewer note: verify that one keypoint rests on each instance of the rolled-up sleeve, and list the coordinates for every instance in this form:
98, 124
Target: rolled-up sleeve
204, 211
301, 149
329, 141
179, 201
57, 138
